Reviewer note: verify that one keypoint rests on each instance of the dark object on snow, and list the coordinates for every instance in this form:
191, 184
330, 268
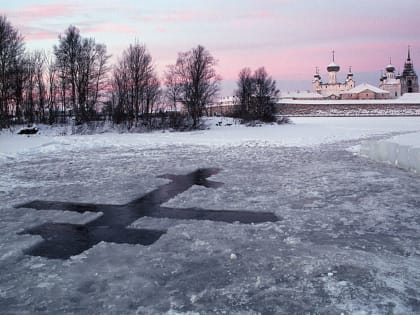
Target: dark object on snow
62, 240
253, 123
28, 131
283, 120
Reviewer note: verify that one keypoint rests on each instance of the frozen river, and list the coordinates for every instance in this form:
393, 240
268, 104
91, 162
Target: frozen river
347, 238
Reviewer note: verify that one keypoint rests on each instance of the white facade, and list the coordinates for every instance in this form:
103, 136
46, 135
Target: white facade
228, 101
332, 89
300, 95
365, 91
390, 82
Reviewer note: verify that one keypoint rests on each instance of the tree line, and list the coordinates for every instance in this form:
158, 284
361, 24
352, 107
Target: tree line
77, 82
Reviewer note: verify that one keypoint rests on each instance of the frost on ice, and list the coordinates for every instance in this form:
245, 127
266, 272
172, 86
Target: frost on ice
347, 242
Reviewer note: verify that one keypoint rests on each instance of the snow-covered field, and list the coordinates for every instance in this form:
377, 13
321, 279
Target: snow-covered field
302, 132
347, 240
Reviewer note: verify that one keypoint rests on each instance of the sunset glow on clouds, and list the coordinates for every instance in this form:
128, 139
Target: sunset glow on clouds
290, 38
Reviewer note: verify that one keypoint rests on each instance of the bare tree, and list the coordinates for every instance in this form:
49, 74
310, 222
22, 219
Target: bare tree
18, 77
52, 87
120, 110
245, 91
66, 54
29, 86
257, 94
99, 77
82, 67
135, 83
152, 94
173, 87
265, 95
11, 54
40, 84
34, 87
195, 73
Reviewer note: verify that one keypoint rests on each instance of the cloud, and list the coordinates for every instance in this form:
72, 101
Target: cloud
37, 33
38, 12
289, 37
111, 28
170, 16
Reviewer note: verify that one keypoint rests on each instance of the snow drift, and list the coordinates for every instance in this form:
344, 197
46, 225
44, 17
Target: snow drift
402, 151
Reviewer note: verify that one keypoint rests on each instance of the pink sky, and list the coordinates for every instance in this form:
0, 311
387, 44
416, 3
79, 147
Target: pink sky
290, 38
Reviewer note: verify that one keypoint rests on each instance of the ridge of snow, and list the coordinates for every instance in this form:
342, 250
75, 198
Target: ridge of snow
401, 151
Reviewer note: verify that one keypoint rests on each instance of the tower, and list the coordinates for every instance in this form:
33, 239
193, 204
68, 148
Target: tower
349, 80
390, 82
332, 69
409, 79
317, 82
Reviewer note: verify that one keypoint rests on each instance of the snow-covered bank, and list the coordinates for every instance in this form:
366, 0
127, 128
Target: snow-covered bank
303, 132
402, 151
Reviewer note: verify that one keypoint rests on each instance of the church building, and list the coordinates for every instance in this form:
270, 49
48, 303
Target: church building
400, 84
390, 82
409, 80
332, 89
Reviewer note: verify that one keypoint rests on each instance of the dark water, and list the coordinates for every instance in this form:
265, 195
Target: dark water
62, 240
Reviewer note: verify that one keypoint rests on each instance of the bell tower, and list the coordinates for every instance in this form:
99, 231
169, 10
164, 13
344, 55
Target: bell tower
317, 82
409, 79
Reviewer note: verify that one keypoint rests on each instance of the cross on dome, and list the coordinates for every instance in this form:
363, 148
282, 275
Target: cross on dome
390, 67
333, 67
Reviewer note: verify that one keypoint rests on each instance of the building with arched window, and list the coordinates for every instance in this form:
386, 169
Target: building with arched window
333, 88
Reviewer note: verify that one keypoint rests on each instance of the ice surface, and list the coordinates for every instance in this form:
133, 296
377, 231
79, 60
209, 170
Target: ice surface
402, 151
348, 242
